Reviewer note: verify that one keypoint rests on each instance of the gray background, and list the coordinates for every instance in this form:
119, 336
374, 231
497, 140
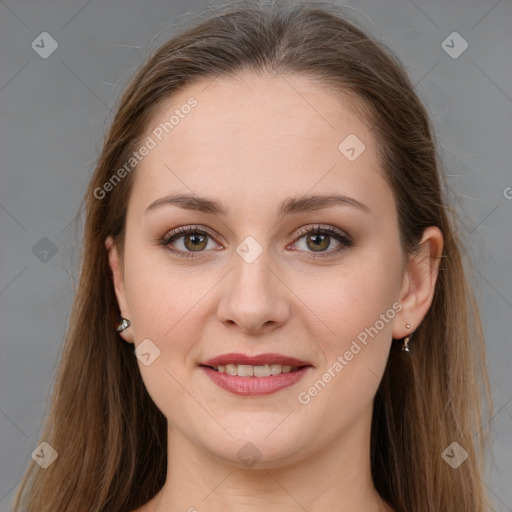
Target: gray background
54, 113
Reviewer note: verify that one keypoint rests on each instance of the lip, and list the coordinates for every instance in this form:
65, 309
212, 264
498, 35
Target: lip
261, 359
254, 386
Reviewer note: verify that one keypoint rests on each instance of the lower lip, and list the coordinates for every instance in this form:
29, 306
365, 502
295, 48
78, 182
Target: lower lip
252, 386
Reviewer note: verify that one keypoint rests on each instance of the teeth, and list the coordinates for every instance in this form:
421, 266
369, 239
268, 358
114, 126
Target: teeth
244, 370
231, 369
247, 370
275, 369
262, 371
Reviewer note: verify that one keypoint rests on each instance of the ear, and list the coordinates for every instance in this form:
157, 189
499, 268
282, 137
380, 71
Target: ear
115, 264
418, 282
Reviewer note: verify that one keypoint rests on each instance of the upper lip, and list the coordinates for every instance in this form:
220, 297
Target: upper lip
258, 360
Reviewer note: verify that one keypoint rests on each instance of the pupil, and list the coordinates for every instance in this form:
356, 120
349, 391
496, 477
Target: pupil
196, 239
318, 243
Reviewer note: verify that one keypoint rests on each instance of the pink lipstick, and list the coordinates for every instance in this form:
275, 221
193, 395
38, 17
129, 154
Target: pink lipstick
254, 375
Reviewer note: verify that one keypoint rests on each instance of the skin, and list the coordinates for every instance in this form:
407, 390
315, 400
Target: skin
249, 150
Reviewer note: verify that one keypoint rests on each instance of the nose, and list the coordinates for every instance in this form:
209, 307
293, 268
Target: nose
255, 297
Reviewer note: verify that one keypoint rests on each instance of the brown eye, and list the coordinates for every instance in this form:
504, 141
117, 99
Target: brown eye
318, 240
194, 240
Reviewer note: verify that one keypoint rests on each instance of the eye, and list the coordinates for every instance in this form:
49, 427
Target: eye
194, 240
318, 239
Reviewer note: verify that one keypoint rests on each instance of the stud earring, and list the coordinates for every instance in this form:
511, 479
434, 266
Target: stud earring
405, 344
123, 324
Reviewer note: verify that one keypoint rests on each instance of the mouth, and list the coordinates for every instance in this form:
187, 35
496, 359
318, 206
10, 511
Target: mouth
247, 370
255, 375
263, 365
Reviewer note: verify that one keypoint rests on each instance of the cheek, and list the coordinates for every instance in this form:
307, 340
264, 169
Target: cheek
164, 312
158, 295
351, 298
357, 309
169, 305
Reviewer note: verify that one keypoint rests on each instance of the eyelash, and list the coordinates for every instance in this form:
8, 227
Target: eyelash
174, 235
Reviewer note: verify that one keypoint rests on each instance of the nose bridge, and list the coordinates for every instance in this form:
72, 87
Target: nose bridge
253, 267
253, 294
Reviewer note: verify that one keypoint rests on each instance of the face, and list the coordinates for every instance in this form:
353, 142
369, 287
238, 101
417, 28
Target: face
319, 281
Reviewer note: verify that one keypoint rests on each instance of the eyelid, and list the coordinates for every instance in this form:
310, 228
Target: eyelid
340, 235
186, 230
312, 228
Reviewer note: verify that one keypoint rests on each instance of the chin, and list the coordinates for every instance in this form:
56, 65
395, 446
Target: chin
258, 451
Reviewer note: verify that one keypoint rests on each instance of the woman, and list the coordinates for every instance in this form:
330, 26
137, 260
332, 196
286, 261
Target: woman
266, 230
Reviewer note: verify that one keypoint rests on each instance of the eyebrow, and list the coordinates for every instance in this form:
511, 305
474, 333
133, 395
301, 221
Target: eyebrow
289, 205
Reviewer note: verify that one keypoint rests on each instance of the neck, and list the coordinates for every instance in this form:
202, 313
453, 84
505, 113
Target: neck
338, 477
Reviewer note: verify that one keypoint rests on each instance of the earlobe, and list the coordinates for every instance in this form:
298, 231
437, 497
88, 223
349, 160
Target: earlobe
119, 288
419, 282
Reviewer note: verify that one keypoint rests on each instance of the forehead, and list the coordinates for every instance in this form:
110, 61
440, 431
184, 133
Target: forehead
252, 139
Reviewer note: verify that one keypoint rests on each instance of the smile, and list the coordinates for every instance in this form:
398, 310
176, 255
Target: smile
260, 382
247, 370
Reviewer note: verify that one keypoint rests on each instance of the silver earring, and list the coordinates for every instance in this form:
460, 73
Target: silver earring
123, 324
405, 344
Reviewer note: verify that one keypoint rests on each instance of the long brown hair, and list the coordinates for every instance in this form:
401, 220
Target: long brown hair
110, 437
